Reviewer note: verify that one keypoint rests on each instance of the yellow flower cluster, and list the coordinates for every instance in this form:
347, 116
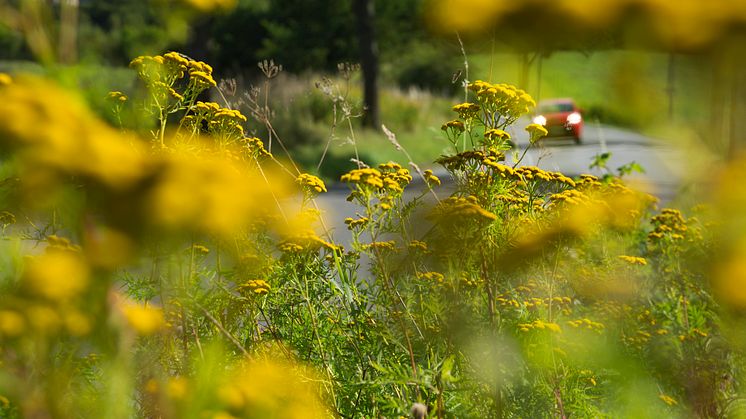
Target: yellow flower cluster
634, 260
5, 79
530, 173
430, 178
57, 275
389, 178
518, 198
536, 132
255, 287
28, 316
418, 245
305, 240
58, 135
223, 123
669, 224
210, 194
367, 177
457, 208
495, 136
455, 126
508, 302
161, 73
353, 223
116, 96
570, 196
381, 246
539, 325
463, 160
264, 388
587, 324
436, 277
503, 99
588, 181
466, 111
638, 340
311, 184
255, 147
142, 318
468, 281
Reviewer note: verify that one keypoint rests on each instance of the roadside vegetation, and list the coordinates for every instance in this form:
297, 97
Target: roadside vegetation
163, 253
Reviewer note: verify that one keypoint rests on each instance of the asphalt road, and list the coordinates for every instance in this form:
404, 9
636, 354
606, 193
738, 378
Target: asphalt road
664, 166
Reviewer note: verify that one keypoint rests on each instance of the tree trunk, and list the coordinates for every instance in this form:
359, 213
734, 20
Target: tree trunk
365, 16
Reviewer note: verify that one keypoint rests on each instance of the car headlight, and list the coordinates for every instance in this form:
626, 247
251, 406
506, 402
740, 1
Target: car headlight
540, 119
574, 118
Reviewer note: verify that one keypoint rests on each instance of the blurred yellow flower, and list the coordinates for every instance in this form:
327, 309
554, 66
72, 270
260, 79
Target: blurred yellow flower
210, 5
11, 323
634, 260
57, 133
144, 319
57, 276
211, 194
268, 388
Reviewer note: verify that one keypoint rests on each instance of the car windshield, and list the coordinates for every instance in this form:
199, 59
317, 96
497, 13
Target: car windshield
555, 107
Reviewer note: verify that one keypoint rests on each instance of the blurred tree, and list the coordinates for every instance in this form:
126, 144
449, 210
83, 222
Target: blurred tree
309, 34
365, 16
115, 32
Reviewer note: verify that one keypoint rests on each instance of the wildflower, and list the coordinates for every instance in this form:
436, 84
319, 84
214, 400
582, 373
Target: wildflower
431, 276
5, 79
494, 133
11, 323
454, 208
177, 387
430, 178
633, 260
43, 318
199, 66
145, 320
35, 114
76, 323
668, 399
536, 131
268, 388
355, 223
201, 249
201, 80
205, 107
255, 146
57, 276
117, 96
389, 245
455, 125
311, 184
256, 287
305, 240
418, 245
466, 110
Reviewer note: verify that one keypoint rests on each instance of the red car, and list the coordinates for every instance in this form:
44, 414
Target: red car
561, 117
